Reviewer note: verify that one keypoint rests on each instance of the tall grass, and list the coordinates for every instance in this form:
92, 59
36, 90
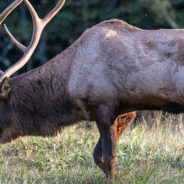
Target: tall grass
144, 156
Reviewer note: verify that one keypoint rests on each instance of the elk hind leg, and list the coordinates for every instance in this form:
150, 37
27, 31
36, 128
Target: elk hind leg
122, 122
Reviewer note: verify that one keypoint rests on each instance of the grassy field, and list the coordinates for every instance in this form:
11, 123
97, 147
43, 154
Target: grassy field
144, 156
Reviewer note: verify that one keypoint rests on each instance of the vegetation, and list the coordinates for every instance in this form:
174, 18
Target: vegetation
76, 17
144, 156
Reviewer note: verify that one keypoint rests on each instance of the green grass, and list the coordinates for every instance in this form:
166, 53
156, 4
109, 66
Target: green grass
144, 156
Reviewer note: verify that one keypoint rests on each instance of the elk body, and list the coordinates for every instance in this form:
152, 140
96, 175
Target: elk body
112, 68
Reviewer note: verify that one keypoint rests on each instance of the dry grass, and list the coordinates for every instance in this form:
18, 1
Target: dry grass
145, 156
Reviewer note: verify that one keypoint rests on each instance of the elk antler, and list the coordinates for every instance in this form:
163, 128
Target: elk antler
38, 26
8, 10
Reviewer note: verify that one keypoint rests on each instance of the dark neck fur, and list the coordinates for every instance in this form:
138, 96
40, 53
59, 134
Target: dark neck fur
40, 100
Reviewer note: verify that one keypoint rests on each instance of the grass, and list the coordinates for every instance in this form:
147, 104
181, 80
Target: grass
144, 156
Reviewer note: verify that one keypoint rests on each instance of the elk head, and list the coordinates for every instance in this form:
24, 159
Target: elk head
7, 118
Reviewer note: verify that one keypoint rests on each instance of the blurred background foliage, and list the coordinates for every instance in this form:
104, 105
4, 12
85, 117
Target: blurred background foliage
75, 17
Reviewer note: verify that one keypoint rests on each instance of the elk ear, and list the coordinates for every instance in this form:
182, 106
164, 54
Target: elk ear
5, 89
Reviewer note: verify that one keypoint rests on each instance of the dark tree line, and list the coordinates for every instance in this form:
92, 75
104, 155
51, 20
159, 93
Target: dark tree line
75, 17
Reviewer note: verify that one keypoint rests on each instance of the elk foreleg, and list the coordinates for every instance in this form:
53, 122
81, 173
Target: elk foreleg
107, 129
120, 125
97, 155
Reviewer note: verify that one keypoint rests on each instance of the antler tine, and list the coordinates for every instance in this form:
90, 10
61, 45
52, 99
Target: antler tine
53, 12
38, 26
18, 44
45, 21
8, 10
36, 21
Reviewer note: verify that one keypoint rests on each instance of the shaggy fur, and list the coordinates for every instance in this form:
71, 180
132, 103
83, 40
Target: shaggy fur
112, 68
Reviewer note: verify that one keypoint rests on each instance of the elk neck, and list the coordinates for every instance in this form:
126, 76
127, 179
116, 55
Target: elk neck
39, 97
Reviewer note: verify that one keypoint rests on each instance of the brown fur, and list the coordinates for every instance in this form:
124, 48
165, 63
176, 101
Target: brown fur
112, 68
119, 125
122, 121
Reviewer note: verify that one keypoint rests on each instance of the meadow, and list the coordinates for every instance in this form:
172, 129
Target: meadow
144, 156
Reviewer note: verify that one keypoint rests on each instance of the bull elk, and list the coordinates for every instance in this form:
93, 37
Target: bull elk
112, 68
